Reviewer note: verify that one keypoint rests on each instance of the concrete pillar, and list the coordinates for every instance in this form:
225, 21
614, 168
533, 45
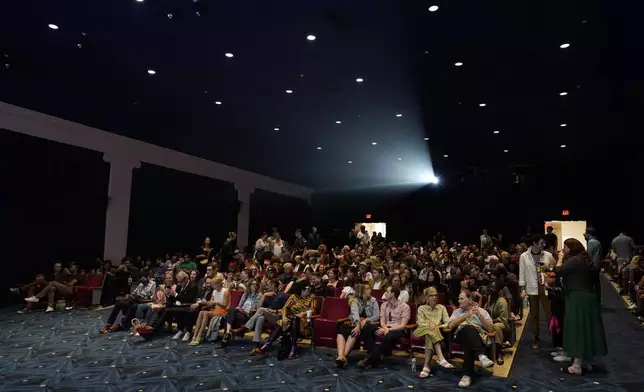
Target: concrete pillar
117, 218
243, 217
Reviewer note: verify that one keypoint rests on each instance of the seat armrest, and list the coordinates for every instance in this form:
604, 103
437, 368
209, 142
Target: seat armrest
342, 320
313, 317
410, 326
446, 329
491, 334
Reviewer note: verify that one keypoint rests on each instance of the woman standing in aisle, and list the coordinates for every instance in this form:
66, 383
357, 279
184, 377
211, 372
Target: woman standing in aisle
583, 331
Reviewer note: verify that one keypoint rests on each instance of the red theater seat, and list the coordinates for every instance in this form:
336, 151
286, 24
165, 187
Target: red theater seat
333, 309
90, 292
404, 343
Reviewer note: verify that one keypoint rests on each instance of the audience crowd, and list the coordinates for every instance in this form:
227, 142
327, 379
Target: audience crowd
470, 295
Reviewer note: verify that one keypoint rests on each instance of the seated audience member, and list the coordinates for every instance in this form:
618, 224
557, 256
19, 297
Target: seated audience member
471, 324
142, 293
294, 318
430, 319
216, 306
145, 307
115, 283
394, 316
396, 282
378, 281
500, 313
248, 304
348, 290
272, 302
186, 317
364, 310
318, 289
31, 289
332, 275
62, 284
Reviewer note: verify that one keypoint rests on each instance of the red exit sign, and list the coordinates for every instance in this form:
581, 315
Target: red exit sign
565, 212
368, 216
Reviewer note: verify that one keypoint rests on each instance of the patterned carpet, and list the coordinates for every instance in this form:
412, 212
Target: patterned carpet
64, 352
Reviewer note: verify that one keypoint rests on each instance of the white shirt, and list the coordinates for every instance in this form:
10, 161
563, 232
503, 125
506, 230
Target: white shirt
376, 285
528, 276
403, 297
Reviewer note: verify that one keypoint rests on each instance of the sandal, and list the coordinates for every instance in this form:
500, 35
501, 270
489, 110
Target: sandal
567, 371
194, 343
425, 373
446, 365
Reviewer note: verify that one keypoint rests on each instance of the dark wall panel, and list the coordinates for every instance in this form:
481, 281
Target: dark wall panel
172, 211
268, 210
52, 204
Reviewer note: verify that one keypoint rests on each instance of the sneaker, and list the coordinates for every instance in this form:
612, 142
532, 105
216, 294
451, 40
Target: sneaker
177, 335
49, 309
557, 353
632, 307
465, 382
33, 299
562, 358
485, 361
24, 311
535, 345
68, 308
186, 337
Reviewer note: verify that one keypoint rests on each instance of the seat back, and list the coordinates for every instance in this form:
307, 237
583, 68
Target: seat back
94, 281
235, 296
335, 308
319, 301
441, 298
337, 291
450, 309
413, 309
377, 294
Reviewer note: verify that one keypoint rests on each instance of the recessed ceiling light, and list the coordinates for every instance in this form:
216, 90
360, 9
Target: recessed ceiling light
481, 104
433, 8
497, 132
319, 148
563, 146
289, 91
505, 150
349, 161
310, 37
445, 156
426, 139
217, 102
276, 129
563, 93
373, 143
53, 26
563, 125
399, 115
151, 71
399, 158
564, 46
139, 1
338, 122
458, 64
359, 80
229, 55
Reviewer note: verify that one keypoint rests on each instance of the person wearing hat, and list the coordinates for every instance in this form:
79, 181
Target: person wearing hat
430, 319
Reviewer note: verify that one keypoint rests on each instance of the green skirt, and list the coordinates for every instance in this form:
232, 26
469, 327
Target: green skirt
583, 330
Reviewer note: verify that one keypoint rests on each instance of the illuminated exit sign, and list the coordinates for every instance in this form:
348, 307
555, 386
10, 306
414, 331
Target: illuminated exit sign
565, 212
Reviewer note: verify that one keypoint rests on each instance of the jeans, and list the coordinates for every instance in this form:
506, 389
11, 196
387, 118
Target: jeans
385, 346
256, 322
469, 339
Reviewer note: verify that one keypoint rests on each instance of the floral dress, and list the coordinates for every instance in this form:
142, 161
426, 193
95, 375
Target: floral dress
295, 305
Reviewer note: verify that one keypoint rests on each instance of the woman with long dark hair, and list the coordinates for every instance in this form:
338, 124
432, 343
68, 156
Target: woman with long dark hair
583, 332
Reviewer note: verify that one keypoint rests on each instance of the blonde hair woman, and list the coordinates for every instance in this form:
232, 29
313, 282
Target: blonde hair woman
430, 319
348, 332
216, 306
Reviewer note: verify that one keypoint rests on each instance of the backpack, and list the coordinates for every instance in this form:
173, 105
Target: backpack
284, 346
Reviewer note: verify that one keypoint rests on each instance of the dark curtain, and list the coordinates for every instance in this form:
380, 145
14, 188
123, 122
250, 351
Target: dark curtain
268, 210
52, 205
173, 211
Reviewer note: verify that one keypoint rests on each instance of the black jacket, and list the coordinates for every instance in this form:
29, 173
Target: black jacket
186, 293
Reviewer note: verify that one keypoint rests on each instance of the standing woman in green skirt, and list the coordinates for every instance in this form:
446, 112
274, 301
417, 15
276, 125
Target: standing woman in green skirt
583, 331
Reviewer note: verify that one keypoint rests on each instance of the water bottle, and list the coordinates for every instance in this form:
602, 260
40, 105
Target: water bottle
413, 365
308, 316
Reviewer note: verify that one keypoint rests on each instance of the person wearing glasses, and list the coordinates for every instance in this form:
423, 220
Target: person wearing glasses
394, 316
248, 305
431, 318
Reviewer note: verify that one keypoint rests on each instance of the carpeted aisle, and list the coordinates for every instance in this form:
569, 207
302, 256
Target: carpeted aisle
621, 369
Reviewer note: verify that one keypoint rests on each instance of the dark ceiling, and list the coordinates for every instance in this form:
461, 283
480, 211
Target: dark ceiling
93, 70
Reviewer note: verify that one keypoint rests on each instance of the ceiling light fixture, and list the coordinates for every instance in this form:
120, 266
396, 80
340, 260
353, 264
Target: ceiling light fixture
564, 46
373, 143
152, 72
276, 129
445, 156
319, 148
338, 122
458, 64
217, 102
53, 26
497, 132
349, 161
433, 8
359, 80
399, 158
399, 115
310, 37
563, 125
563, 93
482, 105
426, 139
505, 150
139, 1
289, 91
563, 146
230, 55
